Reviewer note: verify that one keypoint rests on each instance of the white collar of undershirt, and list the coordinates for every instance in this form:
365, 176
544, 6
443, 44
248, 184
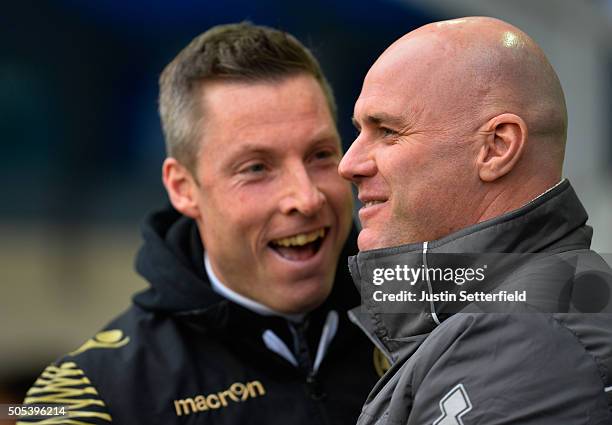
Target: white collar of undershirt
546, 191
241, 300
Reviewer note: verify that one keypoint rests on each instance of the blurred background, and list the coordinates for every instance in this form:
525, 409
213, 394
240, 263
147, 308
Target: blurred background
83, 147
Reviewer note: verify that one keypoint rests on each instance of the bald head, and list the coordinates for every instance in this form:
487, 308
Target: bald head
479, 67
499, 68
471, 115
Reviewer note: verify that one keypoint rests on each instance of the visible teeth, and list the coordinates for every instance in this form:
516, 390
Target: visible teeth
371, 203
300, 239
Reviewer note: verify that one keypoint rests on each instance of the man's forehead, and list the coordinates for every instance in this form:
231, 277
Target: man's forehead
243, 94
409, 61
246, 110
392, 89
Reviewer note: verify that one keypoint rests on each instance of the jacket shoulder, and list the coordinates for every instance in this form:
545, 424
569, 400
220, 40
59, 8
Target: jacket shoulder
78, 379
65, 384
522, 367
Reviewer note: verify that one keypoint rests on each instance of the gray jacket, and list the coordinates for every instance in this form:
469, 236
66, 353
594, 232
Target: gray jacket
545, 360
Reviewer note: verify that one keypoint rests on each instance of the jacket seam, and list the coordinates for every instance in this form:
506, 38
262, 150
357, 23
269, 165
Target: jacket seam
601, 368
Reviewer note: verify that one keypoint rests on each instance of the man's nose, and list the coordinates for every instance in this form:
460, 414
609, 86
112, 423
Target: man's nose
356, 163
303, 195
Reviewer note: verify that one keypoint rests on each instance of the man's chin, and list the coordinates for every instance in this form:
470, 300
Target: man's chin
369, 240
306, 298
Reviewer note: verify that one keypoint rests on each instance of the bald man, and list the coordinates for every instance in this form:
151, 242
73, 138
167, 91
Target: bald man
471, 233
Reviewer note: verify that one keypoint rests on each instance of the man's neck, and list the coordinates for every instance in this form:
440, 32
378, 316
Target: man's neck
252, 305
514, 199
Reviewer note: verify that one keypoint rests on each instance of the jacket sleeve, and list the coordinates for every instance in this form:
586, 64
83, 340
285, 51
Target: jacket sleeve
505, 369
65, 384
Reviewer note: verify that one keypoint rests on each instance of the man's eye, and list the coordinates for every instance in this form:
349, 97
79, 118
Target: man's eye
323, 154
386, 132
253, 168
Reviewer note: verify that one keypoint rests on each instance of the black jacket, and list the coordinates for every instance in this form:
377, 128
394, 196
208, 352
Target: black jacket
544, 360
182, 354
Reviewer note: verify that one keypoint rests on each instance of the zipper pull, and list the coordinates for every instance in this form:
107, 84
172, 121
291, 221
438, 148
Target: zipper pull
314, 387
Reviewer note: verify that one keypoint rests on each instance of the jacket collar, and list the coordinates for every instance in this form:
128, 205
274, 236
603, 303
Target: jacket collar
553, 222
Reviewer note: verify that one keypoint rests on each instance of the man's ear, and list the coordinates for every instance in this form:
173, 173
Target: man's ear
506, 137
181, 187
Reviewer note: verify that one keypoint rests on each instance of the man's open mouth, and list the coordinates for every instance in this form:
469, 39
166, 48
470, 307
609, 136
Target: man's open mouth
301, 246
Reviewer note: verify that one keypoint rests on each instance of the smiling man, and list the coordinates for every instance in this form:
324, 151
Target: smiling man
245, 320
265, 195
458, 164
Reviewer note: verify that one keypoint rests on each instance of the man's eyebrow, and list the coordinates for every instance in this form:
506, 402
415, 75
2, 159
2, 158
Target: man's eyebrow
378, 119
249, 149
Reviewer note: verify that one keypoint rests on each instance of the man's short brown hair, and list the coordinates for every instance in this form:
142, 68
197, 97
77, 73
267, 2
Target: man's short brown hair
234, 52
